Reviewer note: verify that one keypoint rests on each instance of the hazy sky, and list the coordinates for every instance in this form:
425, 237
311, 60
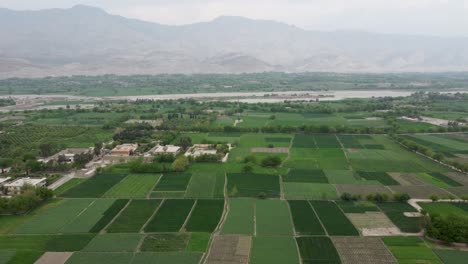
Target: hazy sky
428, 17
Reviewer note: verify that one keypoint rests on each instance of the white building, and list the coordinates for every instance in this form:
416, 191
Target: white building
201, 149
67, 155
15, 186
167, 149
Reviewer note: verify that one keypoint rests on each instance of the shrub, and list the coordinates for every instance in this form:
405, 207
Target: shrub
248, 168
370, 197
250, 159
180, 164
434, 197
271, 161
401, 197
452, 228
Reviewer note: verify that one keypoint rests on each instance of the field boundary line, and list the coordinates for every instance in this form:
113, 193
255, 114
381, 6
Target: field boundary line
104, 230
281, 186
223, 217
188, 184
76, 216
341, 210
318, 218
142, 229
182, 228
148, 195
138, 248
291, 218
255, 219
344, 152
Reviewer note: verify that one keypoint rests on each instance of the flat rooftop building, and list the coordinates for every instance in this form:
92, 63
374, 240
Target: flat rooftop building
167, 149
124, 150
15, 186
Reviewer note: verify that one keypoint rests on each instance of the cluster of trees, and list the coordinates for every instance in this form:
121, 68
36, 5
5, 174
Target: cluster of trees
413, 146
450, 228
134, 133
28, 199
139, 166
376, 197
7, 102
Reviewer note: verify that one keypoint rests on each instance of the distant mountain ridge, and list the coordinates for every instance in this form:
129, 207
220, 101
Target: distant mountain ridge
85, 40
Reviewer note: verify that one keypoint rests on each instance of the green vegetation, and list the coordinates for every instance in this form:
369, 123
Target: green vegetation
410, 250
170, 216
333, 219
395, 211
240, 218
114, 243
133, 186
95, 186
165, 242
253, 185
205, 216
134, 216
265, 211
304, 218
317, 250
271, 250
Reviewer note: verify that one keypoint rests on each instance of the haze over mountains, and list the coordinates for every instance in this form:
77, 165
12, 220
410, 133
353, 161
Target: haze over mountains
88, 41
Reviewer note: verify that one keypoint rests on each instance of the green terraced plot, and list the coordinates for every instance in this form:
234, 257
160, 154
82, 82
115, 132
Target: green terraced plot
134, 216
165, 242
198, 242
305, 191
167, 258
99, 258
253, 185
89, 217
272, 250
114, 243
205, 216
54, 219
439, 180
133, 186
303, 175
173, 182
304, 218
443, 209
335, 222
395, 211
452, 256
240, 217
381, 177
411, 250
317, 250
206, 185
170, 216
266, 211
109, 214
95, 186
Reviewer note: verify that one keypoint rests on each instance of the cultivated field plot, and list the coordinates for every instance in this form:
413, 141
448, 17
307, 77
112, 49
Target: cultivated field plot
422, 192
265, 140
96, 186
133, 186
357, 207
395, 212
173, 182
362, 190
304, 218
274, 249
167, 258
303, 175
410, 250
240, 218
445, 208
452, 256
265, 211
270, 150
205, 216
56, 218
165, 242
134, 216
365, 250
317, 250
305, 191
206, 185
114, 243
253, 185
333, 219
88, 218
171, 216
373, 223
407, 179
233, 249
54, 258
379, 177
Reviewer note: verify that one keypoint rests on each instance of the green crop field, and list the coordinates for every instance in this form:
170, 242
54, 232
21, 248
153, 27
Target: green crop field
304, 191
205, 216
165, 242
99, 258
443, 208
88, 218
173, 182
108, 215
133, 186
265, 211
333, 219
253, 185
452, 256
170, 216
206, 185
317, 250
134, 216
304, 218
167, 258
95, 186
302, 175
240, 218
274, 249
114, 243
395, 211
411, 250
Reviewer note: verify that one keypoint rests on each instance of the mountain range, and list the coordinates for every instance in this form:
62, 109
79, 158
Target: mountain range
85, 40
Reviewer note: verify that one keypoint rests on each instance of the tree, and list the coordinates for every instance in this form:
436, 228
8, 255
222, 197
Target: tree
271, 161
434, 197
45, 149
97, 148
248, 168
180, 164
5, 163
185, 142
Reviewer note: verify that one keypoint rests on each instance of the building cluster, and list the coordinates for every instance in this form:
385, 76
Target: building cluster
11, 187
